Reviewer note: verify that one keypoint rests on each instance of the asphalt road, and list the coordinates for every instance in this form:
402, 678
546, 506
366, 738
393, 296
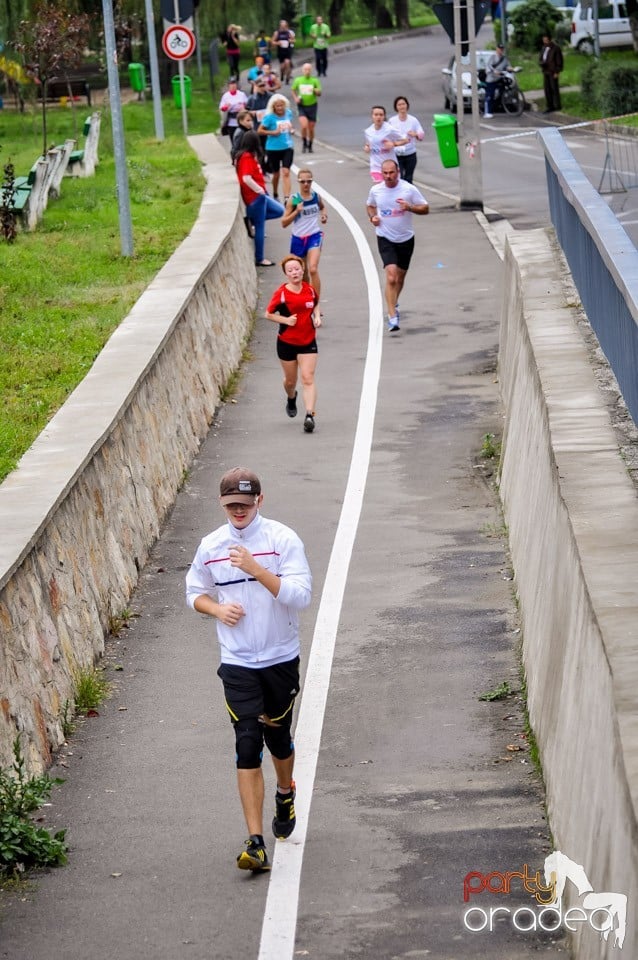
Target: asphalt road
418, 781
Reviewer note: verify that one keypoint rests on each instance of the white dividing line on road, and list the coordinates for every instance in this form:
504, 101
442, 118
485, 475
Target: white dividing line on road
280, 916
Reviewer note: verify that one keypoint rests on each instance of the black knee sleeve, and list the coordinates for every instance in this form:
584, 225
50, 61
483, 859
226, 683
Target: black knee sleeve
249, 743
279, 741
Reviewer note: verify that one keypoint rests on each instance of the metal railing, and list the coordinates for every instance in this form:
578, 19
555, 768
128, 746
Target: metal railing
620, 170
602, 259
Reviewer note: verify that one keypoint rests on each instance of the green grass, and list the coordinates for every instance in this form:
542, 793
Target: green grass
65, 287
531, 78
91, 688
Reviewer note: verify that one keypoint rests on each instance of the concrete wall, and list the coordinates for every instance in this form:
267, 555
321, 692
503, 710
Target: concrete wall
572, 514
80, 513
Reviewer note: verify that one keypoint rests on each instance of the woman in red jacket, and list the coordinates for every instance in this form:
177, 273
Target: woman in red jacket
295, 307
259, 206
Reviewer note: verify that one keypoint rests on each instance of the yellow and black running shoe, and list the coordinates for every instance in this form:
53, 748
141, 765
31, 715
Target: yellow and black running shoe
284, 820
254, 857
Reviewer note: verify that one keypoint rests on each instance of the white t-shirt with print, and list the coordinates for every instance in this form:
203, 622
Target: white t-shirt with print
396, 223
375, 138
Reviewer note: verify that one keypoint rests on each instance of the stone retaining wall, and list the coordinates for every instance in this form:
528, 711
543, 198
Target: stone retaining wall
80, 513
572, 515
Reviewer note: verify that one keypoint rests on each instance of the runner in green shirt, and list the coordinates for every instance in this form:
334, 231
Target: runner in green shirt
320, 32
306, 90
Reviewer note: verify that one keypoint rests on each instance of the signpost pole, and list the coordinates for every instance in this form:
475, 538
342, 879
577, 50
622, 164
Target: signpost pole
182, 91
155, 81
119, 149
461, 20
472, 197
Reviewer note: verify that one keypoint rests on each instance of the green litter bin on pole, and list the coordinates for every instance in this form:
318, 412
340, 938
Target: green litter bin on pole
445, 128
306, 23
177, 93
137, 77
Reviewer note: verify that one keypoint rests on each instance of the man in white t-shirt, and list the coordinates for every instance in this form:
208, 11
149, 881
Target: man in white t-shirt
390, 207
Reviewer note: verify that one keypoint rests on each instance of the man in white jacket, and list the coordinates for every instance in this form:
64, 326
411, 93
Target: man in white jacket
252, 576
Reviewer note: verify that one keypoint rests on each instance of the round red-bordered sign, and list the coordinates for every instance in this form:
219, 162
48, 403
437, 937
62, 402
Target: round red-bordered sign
178, 42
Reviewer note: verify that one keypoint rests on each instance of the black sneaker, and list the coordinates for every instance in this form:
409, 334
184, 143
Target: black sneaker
254, 857
284, 821
309, 423
291, 405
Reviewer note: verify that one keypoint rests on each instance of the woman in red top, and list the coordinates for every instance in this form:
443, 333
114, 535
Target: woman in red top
259, 206
295, 307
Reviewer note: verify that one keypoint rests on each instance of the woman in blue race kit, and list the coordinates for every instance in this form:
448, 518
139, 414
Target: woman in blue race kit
277, 127
307, 213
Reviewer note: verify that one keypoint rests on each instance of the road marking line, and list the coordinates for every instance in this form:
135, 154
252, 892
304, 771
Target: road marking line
280, 915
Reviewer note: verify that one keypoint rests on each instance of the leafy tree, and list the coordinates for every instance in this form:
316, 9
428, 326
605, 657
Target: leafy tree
51, 42
11, 12
531, 20
14, 77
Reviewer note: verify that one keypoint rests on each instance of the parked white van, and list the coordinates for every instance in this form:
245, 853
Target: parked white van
613, 26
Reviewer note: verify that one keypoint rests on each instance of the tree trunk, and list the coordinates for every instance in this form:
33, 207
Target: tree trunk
401, 15
334, 15
383, 18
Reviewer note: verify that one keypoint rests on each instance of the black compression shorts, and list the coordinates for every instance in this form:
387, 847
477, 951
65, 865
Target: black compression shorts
265, 690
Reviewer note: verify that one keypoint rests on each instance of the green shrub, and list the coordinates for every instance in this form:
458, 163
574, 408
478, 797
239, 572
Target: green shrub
563, 31
531, 20
588, 81
22, 843
612, 87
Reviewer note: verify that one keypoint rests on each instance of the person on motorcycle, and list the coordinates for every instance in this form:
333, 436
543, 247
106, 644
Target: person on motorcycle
496, 67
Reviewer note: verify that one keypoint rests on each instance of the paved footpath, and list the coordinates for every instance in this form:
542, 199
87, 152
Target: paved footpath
415, 783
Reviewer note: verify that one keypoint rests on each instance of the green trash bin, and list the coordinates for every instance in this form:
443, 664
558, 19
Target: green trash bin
137, 77
445, 128
306, 23
177, 92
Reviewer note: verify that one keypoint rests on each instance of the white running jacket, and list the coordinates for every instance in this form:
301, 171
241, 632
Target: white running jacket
269, 632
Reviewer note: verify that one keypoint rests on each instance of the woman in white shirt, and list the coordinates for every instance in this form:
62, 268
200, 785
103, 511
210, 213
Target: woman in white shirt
232, 101
381, 140
411, 130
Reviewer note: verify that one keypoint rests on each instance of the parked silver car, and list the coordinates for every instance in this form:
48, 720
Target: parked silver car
449, 80
507, 95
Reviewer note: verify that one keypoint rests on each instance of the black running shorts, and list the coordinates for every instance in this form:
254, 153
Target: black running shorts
397, 254
265, 690
309, 112
290, 351
280, 158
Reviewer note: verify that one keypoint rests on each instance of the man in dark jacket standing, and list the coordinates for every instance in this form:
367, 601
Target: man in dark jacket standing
551, 63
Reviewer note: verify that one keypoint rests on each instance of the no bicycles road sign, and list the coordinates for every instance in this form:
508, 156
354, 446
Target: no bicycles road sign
178, 42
